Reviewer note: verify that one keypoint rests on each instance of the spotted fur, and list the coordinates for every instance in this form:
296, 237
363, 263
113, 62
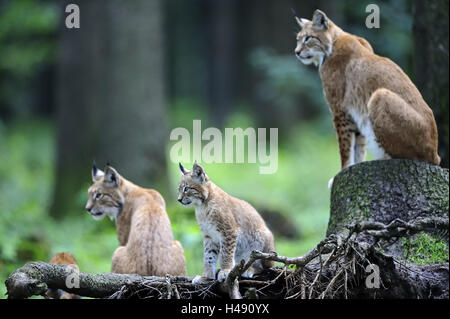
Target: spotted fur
231, 227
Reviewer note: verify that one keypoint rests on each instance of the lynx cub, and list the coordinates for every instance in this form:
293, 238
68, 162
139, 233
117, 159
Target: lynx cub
143, 227
372, 100
231, 227
62, 259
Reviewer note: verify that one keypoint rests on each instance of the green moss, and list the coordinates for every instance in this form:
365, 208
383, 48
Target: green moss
423, 249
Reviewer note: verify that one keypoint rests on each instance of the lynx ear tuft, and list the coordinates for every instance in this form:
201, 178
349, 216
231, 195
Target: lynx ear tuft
182, 169
294, 13
301, 22
96, 173
320, 20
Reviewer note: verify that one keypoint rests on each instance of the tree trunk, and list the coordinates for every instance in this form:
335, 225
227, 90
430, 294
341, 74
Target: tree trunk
430, 32
111, 99
222, 58
391, 204
187, 61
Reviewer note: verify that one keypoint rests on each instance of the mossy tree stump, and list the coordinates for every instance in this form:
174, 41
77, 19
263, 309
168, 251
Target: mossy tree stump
404, 206
386, 190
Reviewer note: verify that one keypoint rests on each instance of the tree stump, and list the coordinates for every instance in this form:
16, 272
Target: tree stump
400, 209
385, 190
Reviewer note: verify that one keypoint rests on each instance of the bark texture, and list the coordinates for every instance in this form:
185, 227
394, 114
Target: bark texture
382, 191
387, 204
430, 30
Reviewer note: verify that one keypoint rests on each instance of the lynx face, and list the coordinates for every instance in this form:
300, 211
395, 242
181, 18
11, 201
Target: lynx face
193, 189
314, 42
105, 197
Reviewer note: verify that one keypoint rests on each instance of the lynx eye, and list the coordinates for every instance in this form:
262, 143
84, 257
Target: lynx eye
306, 39
98, 195
185, 189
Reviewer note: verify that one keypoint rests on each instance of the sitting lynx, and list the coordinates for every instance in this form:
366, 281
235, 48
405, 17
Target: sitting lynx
372, 100
143, 227
231, 227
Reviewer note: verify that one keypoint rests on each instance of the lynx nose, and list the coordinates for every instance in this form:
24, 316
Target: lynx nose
180, 199
88, 209
297, 52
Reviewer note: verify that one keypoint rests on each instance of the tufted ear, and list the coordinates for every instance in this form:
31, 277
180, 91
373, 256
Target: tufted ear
301, 22
198, 173
182, 169
112, 178
320, 20
96, 173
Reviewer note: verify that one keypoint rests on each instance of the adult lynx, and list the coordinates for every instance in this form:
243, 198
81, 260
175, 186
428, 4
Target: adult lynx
145, 236
372, 100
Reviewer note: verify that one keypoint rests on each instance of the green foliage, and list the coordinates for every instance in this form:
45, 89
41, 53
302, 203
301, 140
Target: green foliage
25, 179
27, 30
183, 111
424, 249
27, 233
185, 230
285, 82
393, 39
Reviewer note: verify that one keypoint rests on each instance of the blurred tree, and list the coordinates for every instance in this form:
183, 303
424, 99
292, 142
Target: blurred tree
202, 54
110, 97
27, 42
187, 50
431, 63
271, 24
222, 71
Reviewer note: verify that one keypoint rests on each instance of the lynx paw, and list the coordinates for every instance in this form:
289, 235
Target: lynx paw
200, 280
247, 274
223, 274
330, 183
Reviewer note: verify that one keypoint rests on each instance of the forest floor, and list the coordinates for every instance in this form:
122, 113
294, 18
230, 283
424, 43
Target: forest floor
307, 159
